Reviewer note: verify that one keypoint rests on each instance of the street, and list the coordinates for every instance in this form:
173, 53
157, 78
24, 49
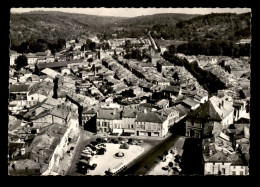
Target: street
138, 166
86, 138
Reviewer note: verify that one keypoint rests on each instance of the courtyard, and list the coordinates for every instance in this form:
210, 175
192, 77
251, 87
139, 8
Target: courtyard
110, 161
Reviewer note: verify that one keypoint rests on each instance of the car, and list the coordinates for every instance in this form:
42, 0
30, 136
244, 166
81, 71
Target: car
92, 167
165, 168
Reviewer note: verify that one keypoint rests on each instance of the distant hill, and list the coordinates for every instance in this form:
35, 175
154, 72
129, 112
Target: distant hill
149, 20
215, 25
51, 25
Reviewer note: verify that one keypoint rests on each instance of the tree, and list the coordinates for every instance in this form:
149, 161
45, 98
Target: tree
71, 48
61, 43
172, 49
92, 46
24, 47
170, 164
21, 61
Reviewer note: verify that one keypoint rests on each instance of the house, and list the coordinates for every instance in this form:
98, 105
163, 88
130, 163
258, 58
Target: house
201, 97
217, 162
49, 72
147, 66
109, 120
88, 114
190, 103
31, 58
38, 93
128, 121
18, 96
50, 116
13, 56
240, 109
52, 65
164, 103
214, 110
172, 91
151, 124
164, 66
172, 115
244, 41
56, 140
163, 49
65, 71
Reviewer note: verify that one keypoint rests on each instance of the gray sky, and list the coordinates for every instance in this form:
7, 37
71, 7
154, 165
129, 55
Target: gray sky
132, 12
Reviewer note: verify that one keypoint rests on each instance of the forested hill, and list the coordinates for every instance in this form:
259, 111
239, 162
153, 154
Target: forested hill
212, 26
51, 25
146, 21
54, 25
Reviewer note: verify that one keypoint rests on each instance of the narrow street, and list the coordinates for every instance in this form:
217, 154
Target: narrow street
85, 138
138, 166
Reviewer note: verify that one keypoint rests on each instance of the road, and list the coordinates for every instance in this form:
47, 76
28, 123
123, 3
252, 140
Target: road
86, 138
138, 166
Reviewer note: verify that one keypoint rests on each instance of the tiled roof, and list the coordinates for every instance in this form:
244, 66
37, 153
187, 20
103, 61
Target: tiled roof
108, 114
190, 102
150, 117
19, 88
129, 113
172, 89
52, 65
180, 143
61, 113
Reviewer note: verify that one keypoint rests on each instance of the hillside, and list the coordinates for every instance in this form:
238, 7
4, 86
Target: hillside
211, 26
149, 20
53, 25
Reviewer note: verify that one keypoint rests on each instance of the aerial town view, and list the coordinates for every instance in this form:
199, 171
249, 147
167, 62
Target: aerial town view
129, 91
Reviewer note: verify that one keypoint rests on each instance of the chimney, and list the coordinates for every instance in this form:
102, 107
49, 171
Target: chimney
114, 112
41, 151
22, 151
210, 152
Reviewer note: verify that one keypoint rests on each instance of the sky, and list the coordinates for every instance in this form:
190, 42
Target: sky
132, 12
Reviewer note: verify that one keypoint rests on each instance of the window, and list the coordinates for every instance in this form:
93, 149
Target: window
234, 167
223, 171
32, 98
241, 173
233, 173
192, 123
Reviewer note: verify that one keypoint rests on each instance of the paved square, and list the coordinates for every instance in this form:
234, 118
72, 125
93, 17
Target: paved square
106, 161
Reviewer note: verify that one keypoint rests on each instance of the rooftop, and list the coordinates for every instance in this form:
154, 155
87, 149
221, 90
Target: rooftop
108, 114
129, 113
152, 117
19, 88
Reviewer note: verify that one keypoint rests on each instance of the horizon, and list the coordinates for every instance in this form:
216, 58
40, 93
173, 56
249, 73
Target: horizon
133, 12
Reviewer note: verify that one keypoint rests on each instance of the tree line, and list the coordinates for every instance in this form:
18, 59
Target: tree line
40, 45
209, 81
214, 48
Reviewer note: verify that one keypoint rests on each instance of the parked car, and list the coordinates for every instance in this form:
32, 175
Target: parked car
124, 146
165, 168
92, 167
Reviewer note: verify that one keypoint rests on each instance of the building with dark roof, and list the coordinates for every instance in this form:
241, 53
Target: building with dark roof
164, 66
214, 110
51, 65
